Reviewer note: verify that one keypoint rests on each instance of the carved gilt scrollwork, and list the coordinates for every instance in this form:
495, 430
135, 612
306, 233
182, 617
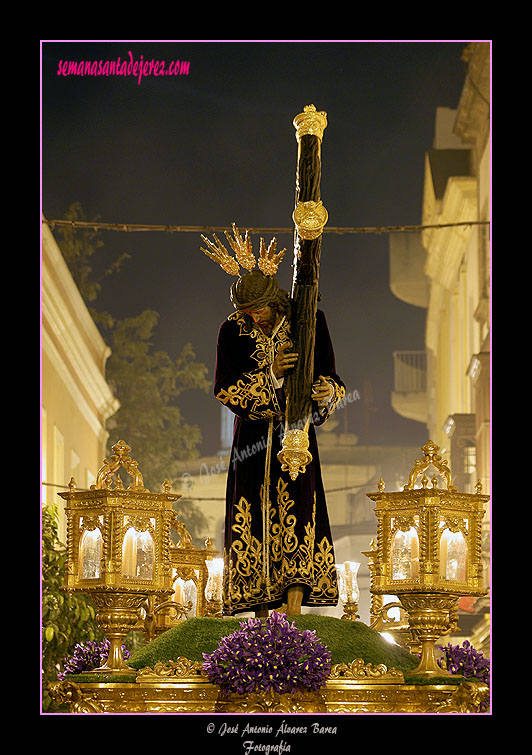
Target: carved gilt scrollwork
120, 458
431, 457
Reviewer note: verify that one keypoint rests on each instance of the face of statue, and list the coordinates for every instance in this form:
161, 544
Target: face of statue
264, 317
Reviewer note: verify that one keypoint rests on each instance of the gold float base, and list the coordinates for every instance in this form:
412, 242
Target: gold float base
114, 697
180, 687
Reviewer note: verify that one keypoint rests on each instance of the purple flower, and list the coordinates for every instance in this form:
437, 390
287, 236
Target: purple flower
86, 657
467, 661
273, 655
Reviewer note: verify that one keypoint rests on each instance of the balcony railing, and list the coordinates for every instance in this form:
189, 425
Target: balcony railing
410, 371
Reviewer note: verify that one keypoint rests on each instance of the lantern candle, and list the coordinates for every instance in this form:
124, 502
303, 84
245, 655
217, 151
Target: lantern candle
414, 551
90, 554
405, 554
129, 554
443, 555
179, 596
453, 555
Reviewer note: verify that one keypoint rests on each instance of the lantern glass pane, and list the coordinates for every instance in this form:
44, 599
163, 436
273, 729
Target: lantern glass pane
91, 554
186, 591
453, 555
347, 581
213, 589
405, 555
191, 594
145, 555
138, 555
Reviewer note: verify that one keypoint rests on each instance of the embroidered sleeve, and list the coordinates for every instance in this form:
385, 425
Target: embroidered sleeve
334, 401
324, 364
252, 396
248, 392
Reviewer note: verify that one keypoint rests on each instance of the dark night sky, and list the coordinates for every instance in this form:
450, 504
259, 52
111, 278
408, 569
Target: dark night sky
218, 146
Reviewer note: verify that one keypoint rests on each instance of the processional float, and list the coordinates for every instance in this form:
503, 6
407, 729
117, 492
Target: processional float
411, 557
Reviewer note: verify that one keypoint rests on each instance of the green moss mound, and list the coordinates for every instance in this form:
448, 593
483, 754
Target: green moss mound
189, 639
346, 641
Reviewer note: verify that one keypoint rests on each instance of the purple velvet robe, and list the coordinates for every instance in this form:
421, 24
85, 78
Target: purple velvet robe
277, 530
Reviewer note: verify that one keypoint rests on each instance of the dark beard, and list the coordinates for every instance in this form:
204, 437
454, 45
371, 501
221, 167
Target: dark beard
267, 326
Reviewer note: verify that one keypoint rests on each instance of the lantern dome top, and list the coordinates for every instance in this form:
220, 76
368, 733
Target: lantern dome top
431, 458
430, 490
119, 458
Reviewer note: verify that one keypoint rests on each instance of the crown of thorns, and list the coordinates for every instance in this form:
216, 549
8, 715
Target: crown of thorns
268, 260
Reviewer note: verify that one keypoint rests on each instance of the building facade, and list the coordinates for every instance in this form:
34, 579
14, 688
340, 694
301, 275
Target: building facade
447, 271
76, 400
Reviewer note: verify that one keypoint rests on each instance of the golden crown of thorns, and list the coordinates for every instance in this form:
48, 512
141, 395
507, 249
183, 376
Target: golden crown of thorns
268, 261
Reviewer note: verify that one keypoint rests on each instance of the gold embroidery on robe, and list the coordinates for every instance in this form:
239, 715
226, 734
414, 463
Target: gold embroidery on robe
289, 560
254, 388
323, 566
266, 347
246, 570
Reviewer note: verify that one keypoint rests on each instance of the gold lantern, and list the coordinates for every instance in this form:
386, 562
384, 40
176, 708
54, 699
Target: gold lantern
348, 588
189, 578
189, 569
429, 552
118, 548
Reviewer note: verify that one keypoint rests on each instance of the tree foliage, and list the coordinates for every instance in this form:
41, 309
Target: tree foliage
78, 247
148, 383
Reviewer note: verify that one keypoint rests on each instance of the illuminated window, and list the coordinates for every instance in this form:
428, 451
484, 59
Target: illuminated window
469, 459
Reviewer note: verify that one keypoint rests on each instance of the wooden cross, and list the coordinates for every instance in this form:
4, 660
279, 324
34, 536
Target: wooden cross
309, 218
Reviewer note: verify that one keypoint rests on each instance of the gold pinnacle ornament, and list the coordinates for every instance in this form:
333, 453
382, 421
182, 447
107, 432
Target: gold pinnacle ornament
310, 121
